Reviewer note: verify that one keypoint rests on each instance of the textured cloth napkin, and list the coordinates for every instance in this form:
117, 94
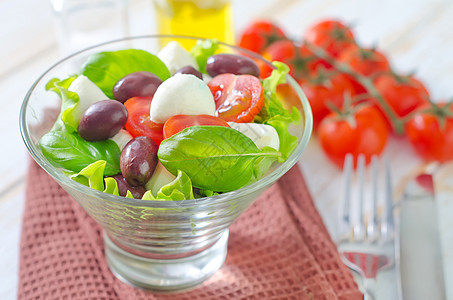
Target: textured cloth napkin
278, 249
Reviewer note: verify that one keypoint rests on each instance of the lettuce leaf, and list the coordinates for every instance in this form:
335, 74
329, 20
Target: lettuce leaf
93, 176
202, 50
106, 68
179, 189
69, 100
273, 113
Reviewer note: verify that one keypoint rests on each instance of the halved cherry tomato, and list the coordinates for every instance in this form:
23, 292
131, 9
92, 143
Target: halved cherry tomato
238, 98
430, 131
259, 35
177, 123
138, 122
300, 59
360, 130
332, 35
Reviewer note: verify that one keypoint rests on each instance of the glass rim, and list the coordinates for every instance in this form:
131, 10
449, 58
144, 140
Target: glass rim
212, 200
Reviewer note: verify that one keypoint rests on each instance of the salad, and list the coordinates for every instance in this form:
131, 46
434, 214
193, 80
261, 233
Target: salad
172, 126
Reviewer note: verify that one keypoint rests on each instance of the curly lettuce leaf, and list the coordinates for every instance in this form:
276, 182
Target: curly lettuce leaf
179, 189
272, 105
202, 50
106, 68
69, 100
274, 114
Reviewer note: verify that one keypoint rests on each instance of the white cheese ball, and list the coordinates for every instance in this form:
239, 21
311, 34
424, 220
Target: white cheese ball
261, 134
175, 57
88, 93
181, 94
122, 138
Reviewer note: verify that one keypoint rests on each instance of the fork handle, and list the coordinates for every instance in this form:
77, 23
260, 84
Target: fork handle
369, 286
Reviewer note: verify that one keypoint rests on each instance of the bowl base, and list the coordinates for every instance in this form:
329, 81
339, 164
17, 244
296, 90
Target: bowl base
165, 274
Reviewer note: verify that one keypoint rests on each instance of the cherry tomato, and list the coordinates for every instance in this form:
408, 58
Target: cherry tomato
326, 86
259, 35
367, 62
402, 93
238, 98
177, 123
138, 122
300, 59
332, 35
431, 137
362, 130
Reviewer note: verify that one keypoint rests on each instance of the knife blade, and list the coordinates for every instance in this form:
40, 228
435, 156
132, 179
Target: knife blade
420, 258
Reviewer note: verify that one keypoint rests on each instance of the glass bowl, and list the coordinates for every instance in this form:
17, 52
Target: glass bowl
158, 245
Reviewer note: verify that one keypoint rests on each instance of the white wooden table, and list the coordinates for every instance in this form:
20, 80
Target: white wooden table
415, 34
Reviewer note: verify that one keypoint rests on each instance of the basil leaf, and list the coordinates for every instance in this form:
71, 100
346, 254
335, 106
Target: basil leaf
106, 68
214, 157
202, 50
71, 152
69, 100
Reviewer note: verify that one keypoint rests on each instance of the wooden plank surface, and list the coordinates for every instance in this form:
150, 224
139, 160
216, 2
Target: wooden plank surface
416, 35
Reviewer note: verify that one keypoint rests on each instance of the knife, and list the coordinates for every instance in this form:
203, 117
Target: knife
419, 255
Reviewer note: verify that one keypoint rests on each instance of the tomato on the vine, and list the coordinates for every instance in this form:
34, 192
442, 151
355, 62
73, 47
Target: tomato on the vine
430, 131
326, 86
259, 35
360, 129
178, 123
300, 59
332, 35
238, 98
138, 121
367, 62
403, 94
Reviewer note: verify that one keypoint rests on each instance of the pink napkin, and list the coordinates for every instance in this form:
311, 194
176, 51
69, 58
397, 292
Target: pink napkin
278, 249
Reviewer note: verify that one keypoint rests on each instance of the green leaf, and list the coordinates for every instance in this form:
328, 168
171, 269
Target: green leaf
272, 105
106, 68
202, 50
262, 164
92, 175
178, 189
214, 157
71, 152
111, 186
69, 100
288, 142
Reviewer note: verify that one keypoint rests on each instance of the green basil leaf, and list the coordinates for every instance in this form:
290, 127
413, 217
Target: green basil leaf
69, 100
202, 50
214, 157
106, 68
71, 152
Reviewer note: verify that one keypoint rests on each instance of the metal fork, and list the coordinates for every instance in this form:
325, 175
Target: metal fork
366, 234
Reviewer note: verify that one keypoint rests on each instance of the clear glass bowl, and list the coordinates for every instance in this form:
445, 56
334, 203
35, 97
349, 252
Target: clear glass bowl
159, 245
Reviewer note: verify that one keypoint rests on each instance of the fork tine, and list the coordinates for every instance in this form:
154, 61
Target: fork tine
373, 222
345, 211
387, 224
359, 228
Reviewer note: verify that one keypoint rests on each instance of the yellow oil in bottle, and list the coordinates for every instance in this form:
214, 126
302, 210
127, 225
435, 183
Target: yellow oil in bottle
201, 18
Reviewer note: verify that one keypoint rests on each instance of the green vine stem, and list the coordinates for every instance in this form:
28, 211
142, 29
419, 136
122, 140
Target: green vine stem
397, 123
